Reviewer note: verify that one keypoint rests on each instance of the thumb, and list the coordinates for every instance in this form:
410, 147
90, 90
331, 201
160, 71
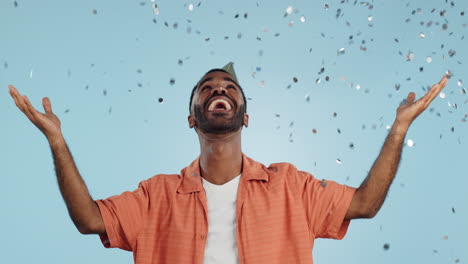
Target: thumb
47, 105
411, 97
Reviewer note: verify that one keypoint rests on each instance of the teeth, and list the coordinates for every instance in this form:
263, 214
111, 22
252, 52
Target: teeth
226, 104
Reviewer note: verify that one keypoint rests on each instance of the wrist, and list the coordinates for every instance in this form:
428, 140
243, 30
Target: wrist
399, 128
56, 140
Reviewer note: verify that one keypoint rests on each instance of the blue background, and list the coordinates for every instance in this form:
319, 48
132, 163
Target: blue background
104, 65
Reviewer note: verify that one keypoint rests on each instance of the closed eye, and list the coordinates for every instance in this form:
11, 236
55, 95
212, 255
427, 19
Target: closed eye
206, 87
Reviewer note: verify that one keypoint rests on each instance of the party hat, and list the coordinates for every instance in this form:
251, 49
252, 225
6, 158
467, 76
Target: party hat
230, 69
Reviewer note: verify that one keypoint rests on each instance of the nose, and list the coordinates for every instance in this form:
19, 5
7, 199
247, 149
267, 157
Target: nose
219, 90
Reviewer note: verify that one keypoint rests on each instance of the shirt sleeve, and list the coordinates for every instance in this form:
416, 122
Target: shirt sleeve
124, 217
326, 203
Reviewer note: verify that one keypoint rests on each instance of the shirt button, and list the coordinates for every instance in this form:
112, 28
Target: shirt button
202, 237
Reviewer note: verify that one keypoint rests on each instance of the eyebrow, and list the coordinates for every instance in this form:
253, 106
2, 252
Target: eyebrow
224, 78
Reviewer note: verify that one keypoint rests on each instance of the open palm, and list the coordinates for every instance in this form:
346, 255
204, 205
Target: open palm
407, 112
47, 122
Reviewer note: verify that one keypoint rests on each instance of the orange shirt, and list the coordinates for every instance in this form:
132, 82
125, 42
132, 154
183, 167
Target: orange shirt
279, 211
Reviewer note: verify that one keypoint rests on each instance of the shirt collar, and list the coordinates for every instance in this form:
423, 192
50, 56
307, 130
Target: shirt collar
191, 182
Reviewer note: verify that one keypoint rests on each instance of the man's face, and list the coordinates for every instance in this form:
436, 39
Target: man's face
218, 105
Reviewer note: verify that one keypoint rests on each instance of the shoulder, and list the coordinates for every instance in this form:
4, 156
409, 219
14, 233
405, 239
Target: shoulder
283, 168
161, 180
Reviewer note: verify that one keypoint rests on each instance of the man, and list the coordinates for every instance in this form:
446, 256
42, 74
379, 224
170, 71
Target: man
225, 207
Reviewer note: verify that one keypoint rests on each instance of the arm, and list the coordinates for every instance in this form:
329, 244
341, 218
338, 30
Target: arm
81, 207
371, 194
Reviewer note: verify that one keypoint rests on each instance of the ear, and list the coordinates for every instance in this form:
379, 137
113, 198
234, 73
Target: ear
191, 121
246, 120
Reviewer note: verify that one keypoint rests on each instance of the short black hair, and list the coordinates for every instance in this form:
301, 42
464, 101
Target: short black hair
210, 71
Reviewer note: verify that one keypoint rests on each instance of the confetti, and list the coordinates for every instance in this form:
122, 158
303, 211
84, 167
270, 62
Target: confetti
94, 12
15, 4
155, 9
410, 143
341, 51
338, 161
451, 53
429, 59
442, 95
314, 131
409, 56
160, 100
386, 246
302, 19
323, 183
172, 81
190, 7
295, 79
370, 18
289, 10
460, 83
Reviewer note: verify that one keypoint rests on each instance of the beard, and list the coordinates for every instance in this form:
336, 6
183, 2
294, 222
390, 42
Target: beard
221, 125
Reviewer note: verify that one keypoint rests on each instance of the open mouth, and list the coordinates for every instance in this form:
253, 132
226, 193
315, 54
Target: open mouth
219, 105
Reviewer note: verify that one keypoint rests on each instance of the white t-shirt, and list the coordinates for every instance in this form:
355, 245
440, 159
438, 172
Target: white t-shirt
221, 244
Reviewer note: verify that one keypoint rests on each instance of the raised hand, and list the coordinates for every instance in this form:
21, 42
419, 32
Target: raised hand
48, 122
409, 110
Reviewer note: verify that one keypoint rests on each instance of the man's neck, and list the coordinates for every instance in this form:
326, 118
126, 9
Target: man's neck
221, 157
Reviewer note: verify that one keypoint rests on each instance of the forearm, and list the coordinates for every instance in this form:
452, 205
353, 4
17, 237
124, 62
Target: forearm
81, 207
375, 187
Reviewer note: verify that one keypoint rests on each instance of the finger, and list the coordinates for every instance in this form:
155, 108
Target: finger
30, 107
444, 79
410, 98
47, 105
17, 98
29, 110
